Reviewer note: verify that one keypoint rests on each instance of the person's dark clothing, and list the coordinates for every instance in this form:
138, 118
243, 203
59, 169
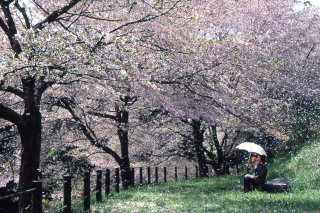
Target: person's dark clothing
261, 171
250, 182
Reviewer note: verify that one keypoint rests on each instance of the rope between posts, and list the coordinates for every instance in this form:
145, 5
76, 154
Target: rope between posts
18, 193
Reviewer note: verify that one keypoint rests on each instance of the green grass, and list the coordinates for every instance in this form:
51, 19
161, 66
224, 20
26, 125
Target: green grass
218, 194
206, 195
302, 166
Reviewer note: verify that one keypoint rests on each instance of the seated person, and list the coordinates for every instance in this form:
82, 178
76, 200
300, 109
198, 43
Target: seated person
258, 178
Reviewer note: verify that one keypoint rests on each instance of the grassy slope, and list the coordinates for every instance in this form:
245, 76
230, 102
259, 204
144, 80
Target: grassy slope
301, 166
218, 194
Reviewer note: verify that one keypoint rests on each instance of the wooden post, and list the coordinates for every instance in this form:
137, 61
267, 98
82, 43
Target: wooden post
67, 194
157, 174
86, 191
37, 197
141, 176
197, 172
186, 172
149, 175
117, 179
132, 177
99, 186
107, 183
165, 174
176, 173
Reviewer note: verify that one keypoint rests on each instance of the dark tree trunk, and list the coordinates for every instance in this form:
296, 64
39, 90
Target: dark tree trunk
125, 175
219, 167
125, 164
123, 119
198, 145
226, 169
30, 132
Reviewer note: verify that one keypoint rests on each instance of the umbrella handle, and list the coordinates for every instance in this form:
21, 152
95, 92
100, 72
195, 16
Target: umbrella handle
249, 157
248, 162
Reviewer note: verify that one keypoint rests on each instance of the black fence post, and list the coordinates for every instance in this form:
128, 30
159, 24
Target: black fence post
67, 194
86, 191
117, 179
186, 172
107, 183
132, 177
99, 186
37, 197
197, 172
141, 176
157, 174
165, 174
176, 173
149, 175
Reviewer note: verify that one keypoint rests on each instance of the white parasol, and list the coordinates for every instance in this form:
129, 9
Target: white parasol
251, 147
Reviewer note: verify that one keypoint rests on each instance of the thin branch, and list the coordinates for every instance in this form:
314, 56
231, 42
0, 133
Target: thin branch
144, 19
312, 48
211, 155
66, 104
179, 79
45, 85
165, 82
96, 18
56, 14
87, 125
98, 114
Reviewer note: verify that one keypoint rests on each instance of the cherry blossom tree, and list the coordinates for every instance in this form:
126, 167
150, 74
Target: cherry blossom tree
279, 45
21, 80
120, 119
48, 46
253, 61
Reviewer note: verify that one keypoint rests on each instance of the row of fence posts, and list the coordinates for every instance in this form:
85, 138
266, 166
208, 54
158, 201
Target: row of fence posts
86, 204
37, 194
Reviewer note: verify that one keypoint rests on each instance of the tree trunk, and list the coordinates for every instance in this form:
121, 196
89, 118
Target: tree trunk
218, 170
226, 169
198, 145
30, 132
123, 118
125, 175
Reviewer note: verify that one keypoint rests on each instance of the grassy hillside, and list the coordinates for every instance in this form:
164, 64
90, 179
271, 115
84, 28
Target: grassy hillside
302, 166
206, 195
219, 194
